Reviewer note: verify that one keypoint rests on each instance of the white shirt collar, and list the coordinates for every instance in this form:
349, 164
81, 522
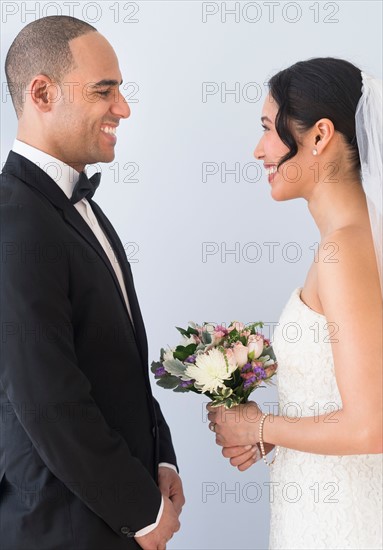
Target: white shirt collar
65, 176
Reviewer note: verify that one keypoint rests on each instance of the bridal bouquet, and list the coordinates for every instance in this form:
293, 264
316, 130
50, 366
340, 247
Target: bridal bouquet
225, 364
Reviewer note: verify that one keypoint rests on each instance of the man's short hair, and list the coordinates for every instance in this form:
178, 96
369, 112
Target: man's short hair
42, 47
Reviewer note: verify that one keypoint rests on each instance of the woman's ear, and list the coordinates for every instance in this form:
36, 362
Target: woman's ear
324, 131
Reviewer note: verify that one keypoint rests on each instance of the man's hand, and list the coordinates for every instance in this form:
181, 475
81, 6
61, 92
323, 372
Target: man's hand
168, 525
170, 485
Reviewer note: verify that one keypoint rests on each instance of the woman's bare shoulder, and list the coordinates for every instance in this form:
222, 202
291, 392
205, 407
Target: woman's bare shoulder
350, 272
351, 242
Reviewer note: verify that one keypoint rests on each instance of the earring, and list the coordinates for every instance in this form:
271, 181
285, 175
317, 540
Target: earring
315, 152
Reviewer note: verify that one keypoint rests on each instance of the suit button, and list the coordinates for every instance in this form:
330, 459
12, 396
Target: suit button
127, 531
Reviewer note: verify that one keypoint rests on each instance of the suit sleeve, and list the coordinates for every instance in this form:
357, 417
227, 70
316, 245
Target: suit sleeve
39, 371
167, 453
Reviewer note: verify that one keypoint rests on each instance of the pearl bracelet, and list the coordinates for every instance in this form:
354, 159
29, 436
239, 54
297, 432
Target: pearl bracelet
264, 416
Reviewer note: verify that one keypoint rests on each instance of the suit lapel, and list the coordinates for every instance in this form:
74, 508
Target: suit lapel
128, 278
33, 176
72, 216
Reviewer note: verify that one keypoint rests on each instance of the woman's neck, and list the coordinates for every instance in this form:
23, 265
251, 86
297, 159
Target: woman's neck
338, 204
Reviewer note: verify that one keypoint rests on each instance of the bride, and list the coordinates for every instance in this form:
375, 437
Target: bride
322, 142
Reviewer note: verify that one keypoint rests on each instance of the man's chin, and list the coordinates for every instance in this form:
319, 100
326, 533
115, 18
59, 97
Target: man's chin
105, 156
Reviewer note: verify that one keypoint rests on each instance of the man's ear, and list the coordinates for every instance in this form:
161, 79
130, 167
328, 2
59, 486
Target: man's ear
43, 93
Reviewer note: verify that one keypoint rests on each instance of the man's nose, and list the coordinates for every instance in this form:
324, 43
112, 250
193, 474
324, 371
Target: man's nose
121, 107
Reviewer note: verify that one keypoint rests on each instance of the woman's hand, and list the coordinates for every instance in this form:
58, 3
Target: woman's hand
243, 458
235, 427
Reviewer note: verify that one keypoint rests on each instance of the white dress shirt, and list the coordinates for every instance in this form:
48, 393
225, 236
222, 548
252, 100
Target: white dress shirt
66, 177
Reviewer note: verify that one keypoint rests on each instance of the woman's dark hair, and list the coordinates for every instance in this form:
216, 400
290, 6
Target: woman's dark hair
323, 87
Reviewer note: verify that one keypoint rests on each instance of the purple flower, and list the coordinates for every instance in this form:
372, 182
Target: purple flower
186, 383
190, 359
249, 382
252, 375
247, 368
260, 373
160, 372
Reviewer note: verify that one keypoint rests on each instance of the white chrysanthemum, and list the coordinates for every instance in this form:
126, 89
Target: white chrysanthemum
210, 371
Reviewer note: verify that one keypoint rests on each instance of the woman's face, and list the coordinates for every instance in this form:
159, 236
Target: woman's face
292, 179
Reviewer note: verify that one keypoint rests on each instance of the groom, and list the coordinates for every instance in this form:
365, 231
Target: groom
86, 457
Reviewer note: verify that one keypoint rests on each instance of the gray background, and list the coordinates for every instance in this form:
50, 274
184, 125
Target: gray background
166, 53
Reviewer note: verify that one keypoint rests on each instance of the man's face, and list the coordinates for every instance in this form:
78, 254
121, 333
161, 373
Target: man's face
83, 121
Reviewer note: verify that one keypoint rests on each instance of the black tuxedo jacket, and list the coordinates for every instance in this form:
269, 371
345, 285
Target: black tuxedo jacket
81, 434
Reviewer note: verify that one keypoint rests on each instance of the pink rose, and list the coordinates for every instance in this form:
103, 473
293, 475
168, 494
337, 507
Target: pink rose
269, 371
240, 353
217, 336
230, 357
255, 344
236, 325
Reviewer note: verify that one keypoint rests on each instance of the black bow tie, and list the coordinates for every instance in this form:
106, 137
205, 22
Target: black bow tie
85, 187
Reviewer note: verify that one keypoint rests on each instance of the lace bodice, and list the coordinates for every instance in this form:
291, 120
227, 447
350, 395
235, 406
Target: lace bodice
318, 501
302, 343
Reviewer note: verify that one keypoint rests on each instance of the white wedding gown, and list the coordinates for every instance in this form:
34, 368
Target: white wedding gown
318, 501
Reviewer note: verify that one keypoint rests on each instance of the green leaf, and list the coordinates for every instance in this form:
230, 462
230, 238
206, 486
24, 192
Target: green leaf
269, 351
155, 365
225, 393
208, 394
228, 403
234, 332
234, 380
206, 337
253, 327
182, 352
176, 368
168, 382
188, 332
180, 389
